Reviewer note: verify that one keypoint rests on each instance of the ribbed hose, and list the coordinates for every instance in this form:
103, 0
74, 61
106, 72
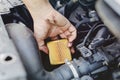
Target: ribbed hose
30, 56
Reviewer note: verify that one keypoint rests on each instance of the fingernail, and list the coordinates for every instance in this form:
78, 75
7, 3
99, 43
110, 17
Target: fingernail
69, 44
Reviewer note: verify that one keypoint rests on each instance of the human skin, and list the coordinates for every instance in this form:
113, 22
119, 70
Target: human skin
49, 23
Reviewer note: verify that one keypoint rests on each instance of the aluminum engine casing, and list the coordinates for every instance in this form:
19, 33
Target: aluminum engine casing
11, 67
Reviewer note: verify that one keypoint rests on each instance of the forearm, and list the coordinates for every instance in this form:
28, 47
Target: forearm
38, 7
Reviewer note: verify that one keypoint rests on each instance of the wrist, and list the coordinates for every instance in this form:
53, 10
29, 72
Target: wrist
41, 13
38, 7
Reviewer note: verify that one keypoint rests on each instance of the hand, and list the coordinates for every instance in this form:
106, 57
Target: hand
52, 25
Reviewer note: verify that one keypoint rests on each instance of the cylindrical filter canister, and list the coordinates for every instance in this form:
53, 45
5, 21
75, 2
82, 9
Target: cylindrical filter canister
59, 51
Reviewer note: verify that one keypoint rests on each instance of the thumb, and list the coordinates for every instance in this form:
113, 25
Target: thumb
41, 45
43, 48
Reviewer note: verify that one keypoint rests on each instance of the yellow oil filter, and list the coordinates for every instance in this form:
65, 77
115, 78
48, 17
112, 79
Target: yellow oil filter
58, 51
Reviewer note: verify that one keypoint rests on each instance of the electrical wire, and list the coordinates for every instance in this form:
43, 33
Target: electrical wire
91, 30
86, 4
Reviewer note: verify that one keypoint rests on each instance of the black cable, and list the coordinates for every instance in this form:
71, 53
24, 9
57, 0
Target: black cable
86, 4
91, 30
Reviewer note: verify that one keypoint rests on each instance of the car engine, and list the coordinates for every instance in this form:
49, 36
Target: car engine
97, 46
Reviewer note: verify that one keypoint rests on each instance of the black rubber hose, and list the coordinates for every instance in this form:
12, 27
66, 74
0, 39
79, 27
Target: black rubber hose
30, 56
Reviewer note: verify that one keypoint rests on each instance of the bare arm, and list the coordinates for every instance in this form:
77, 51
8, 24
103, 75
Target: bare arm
49, 23
38, 7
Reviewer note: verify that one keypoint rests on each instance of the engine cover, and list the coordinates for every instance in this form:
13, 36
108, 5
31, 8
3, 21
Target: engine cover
11, 67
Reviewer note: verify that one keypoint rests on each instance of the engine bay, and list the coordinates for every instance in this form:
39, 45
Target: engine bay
97, 48
94, 43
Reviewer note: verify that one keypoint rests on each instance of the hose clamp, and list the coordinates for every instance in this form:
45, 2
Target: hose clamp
74, 71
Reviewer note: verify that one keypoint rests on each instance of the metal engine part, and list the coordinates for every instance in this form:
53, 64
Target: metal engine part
6, 5
96, 47
11, 67
95, 64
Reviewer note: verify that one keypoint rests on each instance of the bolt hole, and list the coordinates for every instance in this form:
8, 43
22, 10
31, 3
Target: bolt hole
8, 58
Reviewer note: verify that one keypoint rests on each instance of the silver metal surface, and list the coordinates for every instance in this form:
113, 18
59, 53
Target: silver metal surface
5, 5
11, 67
2, 28
117, 1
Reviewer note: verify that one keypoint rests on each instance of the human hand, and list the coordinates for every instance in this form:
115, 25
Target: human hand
52, 25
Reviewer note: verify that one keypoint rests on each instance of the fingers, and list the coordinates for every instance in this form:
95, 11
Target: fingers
54, 38
67, 33
69, 44
72, 50
41, 44
70, 33
44, 49
63, 35
73, 34
60, 21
